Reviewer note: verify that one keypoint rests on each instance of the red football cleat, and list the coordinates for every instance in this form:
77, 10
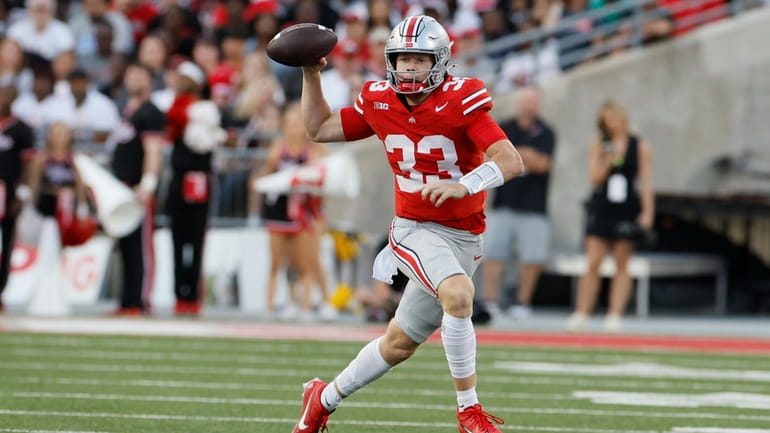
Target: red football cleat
127, 312
314, 414
187, 308
475, 420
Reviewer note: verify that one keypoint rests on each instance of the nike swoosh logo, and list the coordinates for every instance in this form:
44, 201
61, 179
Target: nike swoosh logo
466, 429
477, 257
301, 424
441, 107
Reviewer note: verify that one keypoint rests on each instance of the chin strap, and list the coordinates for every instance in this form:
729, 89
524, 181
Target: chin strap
485, 176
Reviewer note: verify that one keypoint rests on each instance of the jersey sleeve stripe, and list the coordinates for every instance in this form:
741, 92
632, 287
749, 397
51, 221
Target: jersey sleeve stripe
474, 95
470, 109
358, 109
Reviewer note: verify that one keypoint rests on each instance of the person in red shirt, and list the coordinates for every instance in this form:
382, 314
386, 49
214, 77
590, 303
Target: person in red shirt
437, 131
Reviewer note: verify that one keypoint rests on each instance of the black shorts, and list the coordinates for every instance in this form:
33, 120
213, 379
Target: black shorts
611, 227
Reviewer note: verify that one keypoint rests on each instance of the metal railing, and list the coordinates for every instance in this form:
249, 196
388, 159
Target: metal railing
630, 16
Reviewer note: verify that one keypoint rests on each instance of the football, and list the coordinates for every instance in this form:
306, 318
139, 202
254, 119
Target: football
301, 44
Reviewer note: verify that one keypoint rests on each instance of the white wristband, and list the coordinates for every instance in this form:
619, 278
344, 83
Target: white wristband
485, 176
149, 182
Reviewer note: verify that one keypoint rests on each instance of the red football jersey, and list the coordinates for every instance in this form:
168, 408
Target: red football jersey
439, 140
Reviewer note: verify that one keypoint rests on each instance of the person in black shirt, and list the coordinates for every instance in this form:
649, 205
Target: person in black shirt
517, 219
194, 126
621, 205
16, 149
136, 161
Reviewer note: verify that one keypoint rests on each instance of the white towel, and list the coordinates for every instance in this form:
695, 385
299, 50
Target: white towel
384, 266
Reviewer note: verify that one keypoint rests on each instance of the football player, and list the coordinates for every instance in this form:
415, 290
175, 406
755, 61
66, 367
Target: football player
436, 130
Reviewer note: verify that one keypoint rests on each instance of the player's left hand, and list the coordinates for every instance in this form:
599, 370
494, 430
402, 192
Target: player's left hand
439, 192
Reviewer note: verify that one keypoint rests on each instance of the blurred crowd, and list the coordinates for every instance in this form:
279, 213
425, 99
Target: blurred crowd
47, 44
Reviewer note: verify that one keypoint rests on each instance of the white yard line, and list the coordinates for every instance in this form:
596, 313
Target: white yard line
507, 427
545, 381
414, 425
634, 369
508, 409
263, 402
248, 348
338, 361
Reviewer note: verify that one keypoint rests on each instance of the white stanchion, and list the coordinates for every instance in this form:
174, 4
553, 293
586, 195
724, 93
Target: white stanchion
48, 293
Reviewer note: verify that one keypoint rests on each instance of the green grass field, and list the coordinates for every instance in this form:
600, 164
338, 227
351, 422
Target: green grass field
52, 383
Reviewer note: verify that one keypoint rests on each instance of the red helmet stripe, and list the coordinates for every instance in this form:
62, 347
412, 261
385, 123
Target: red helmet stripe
411, 28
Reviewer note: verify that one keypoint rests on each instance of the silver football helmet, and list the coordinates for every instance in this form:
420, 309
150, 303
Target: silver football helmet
418, 34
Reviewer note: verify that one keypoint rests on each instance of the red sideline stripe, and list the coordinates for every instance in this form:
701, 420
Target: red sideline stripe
632, 342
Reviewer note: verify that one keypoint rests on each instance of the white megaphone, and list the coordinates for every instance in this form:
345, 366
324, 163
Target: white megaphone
117, 208
334, 175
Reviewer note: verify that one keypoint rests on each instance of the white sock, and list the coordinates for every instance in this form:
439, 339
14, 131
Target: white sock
467, 398
329, 397
367, 366
459, 340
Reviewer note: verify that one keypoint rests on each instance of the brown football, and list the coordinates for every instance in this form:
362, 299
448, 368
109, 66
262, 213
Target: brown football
301, 44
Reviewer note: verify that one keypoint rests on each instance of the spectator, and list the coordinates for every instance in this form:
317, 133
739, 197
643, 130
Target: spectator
230, 16
688, 15
382, 13
518, 218
62, 66
90, 114
206, 54
83, 25
471, 59
621, 204
353, 23
546, 12
136, 161
659, 24
193, 126
227, 74
265, 25
294, 221
30, 106
575, 41
104, 65
139, 13
378, 38
312, 11
57, 190
15, 153
494, 24
257, 106
530, 65
346, 64
40, 33
178, 27
153, 53
13, 66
